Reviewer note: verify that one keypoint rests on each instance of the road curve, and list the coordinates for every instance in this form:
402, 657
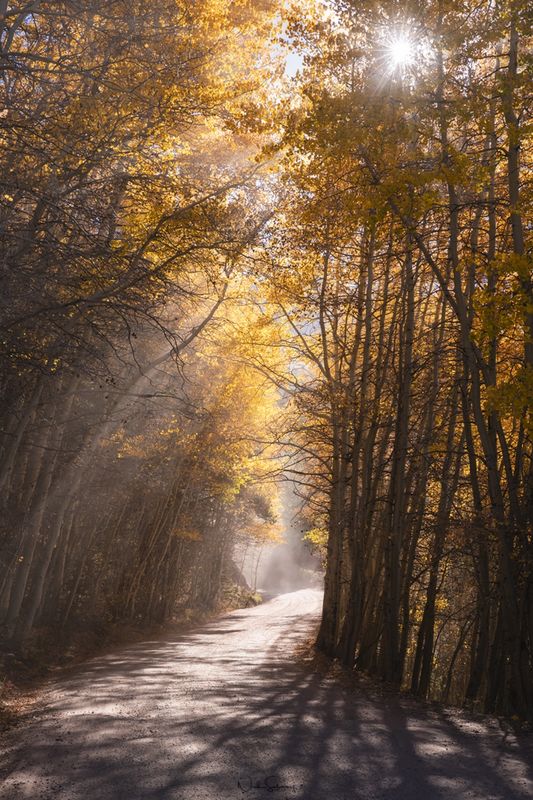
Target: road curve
225, 713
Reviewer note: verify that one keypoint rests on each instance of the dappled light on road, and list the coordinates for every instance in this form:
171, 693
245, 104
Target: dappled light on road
227, 711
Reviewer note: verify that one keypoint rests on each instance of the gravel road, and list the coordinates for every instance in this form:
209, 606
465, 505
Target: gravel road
226, 712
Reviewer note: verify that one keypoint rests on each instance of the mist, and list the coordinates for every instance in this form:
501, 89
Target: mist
288, 566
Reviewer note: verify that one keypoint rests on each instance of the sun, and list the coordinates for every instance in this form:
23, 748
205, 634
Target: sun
400, 52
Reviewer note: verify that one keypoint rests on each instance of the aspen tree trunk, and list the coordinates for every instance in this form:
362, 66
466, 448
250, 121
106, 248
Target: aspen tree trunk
34, 522
327, 635
481, 636
392, 667
9, 460
331, 611
355, 599
417, 511
513, 171
523, 649
53, 538
423, 664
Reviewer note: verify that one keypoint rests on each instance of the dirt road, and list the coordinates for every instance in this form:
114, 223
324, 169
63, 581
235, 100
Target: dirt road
225, 712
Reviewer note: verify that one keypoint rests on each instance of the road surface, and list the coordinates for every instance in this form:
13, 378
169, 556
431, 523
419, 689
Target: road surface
227, 712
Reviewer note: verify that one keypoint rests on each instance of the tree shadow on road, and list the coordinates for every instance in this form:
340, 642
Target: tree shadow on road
187, 719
